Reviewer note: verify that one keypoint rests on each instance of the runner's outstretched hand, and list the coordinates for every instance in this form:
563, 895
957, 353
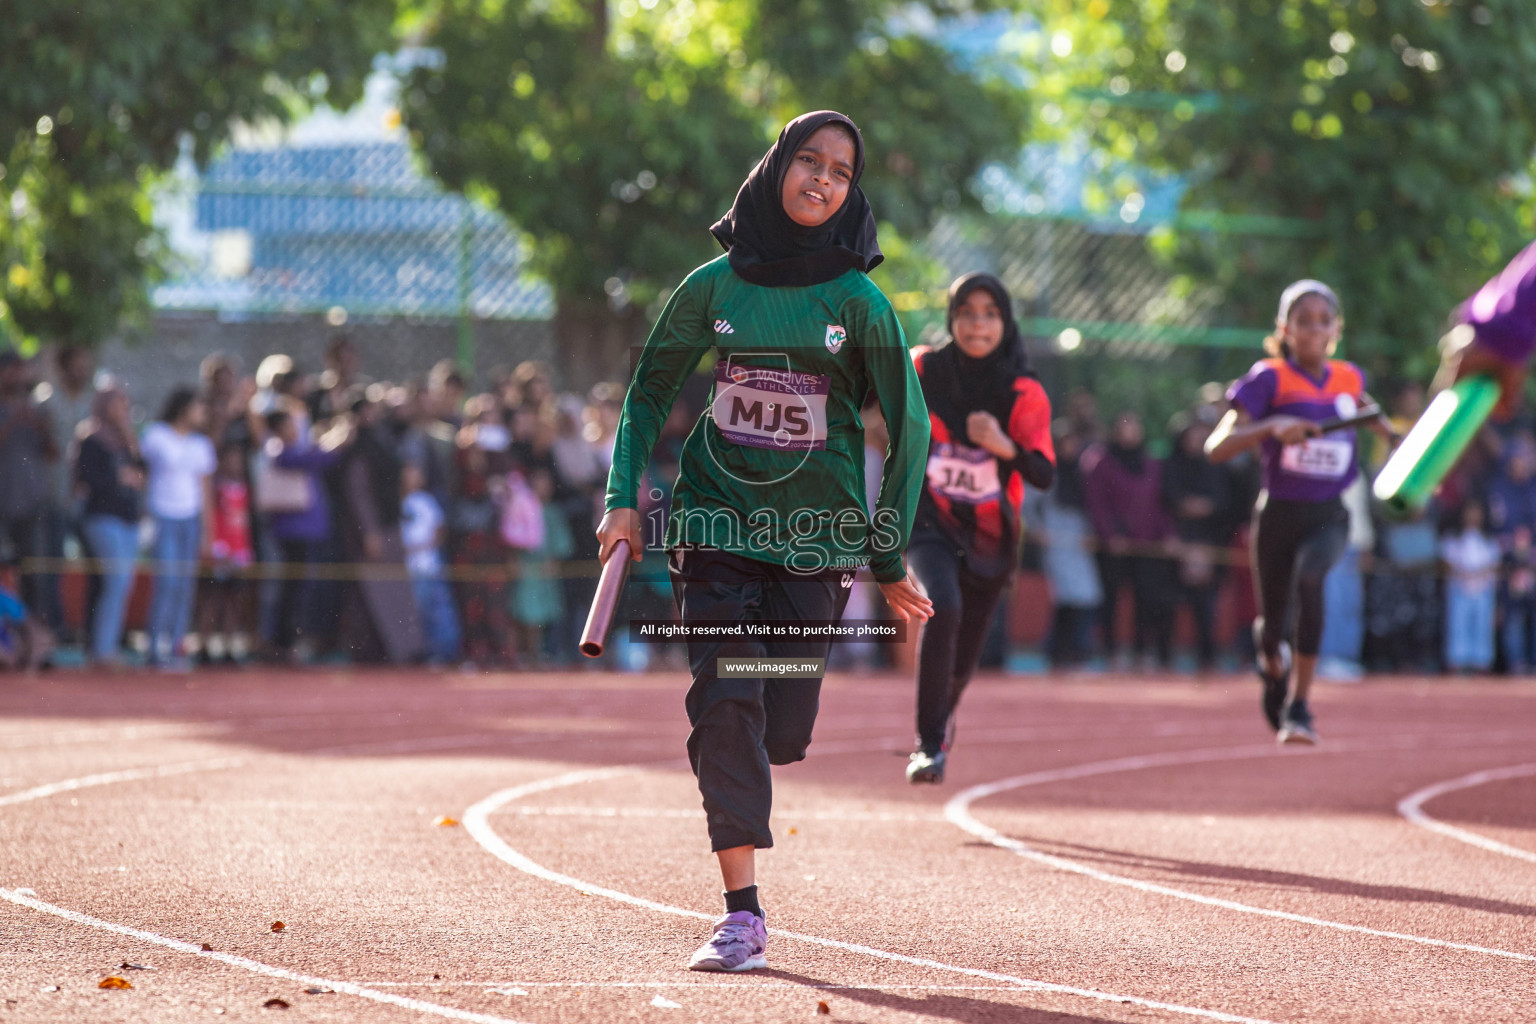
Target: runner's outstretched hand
907, 600
1461, 357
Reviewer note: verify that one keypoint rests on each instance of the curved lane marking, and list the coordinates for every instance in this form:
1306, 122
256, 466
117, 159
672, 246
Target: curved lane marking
256, 966
957, 810
25, 899
487, 837
476, 821
1412, 808
126, 775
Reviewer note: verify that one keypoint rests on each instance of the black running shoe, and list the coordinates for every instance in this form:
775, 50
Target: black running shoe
923, 767
1297, 727
1276, 687
1273, 698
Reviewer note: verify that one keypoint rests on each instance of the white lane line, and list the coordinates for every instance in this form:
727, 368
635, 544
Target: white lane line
23, 740
476, 821
192, 729
726, 982
165, 771
220, 763
255, 966
666, 812
1412, 808
958, 812
1173, 730
1105, 726
411, 746
127, 775
1019, 735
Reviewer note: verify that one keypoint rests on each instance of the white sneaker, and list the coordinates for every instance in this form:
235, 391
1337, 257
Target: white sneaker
740, 943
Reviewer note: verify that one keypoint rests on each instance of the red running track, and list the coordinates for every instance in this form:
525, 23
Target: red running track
1105, 850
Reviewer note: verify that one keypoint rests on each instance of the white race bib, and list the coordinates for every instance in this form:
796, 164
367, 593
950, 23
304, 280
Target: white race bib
961, 473
1320, 457
778, 409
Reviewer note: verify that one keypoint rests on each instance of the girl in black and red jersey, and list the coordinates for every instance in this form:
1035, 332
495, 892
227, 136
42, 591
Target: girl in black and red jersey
991, 428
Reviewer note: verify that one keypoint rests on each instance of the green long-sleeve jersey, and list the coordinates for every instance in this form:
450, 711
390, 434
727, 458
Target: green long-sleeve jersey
774, 468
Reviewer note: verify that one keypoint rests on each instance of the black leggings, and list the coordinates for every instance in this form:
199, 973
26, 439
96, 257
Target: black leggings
1153, 592
1295, 543
963, 603
741, 725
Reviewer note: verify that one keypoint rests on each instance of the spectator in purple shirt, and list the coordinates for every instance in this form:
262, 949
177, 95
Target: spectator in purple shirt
302, 532
1123, 494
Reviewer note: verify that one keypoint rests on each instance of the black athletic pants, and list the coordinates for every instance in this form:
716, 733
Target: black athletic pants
963, 603
1153, 592
1295, 543
741, 725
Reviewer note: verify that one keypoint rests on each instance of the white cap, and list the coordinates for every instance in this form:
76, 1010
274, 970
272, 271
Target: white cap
1306, 286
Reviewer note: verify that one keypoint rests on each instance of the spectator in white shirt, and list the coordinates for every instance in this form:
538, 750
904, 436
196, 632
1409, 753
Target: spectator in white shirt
180, 461
1472, 560
421, 530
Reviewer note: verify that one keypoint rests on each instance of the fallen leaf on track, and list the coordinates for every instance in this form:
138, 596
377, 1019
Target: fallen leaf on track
822, 1007
113, 982
126, 966
446, 822
275, 1004
207, 948
664, 1003
278, 926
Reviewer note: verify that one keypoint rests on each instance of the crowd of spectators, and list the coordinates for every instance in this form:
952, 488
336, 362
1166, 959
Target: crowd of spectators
1452, 588
297, 516
312, 517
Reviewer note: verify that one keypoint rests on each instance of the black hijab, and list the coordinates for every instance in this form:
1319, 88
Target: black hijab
991, 377
767, 248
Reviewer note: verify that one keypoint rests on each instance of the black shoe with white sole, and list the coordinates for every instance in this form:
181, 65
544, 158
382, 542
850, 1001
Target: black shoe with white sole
1276, 687
1297, 726
923, 767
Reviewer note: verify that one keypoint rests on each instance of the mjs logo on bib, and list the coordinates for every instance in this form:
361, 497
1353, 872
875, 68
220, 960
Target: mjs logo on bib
835, 338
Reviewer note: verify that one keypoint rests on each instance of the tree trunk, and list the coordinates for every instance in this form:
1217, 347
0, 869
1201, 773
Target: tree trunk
593, 343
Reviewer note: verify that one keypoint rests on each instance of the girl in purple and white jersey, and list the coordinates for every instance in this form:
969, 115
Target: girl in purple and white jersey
1300, 524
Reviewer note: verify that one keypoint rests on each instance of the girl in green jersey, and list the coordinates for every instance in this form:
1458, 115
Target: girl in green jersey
768, 523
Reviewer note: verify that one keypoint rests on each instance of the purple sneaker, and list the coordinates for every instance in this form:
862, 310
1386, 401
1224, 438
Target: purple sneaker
738, 944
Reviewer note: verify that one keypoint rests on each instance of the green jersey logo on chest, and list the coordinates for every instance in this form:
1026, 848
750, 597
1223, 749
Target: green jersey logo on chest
835, 337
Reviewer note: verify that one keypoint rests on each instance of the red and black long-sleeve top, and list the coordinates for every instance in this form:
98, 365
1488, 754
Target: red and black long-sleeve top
971, 497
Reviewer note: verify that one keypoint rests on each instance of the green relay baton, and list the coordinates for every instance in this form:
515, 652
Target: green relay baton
1453, 418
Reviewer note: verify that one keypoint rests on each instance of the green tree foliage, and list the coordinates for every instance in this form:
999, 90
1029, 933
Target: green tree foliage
615, 134
95, 100
1393, 137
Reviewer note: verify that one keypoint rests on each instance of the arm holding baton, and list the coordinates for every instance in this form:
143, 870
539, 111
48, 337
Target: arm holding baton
1415, 470
610, 588
1482, 370
1369, 414
619, 543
